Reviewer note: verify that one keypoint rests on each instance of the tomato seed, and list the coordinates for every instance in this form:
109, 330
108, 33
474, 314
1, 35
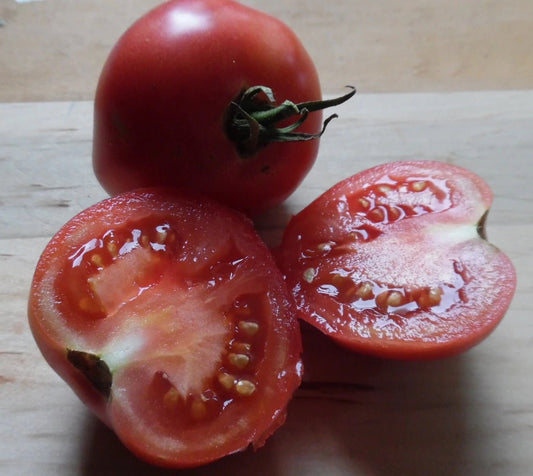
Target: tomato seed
365, 291
364, 202
430, 298
88, 304
245, 388
171, 398
376, 215
395, 299
238, 360
325, 247
144, 241
198, 409
226, 380
419, 186
250, 328
97, 260
395, 213
309, 275
384, 189
161, 236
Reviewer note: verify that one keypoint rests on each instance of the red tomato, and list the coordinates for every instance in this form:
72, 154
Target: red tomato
169, 319
170, 108
394, 262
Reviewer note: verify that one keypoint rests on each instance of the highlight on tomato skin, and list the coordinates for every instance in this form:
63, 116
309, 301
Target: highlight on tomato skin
168, 317
394, 262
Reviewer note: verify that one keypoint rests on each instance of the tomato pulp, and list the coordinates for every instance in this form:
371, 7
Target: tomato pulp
172, 82
394, 262
169, 318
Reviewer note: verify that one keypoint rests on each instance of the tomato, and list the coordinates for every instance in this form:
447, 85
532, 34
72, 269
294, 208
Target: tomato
193, 96
169, 318
394, 262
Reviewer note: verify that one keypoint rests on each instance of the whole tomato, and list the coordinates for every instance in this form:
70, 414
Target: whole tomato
188, 98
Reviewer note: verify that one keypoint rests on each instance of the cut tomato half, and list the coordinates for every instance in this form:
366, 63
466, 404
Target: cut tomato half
169, 318
394, 262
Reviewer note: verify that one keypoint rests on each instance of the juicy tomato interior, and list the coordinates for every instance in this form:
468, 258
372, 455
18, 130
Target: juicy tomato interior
394, 262
170, 319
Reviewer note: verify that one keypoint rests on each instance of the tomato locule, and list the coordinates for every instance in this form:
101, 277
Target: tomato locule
168, 317
209, 95
394, 262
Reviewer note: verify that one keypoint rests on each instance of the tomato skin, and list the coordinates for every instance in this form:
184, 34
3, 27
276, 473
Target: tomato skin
393, 262
163, 95
212, 258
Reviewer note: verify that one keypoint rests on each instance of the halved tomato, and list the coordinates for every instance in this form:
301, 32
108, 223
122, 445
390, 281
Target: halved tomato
394, 262
169, 318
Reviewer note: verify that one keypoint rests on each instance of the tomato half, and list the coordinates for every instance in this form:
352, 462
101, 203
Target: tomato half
394, 262
169, 318
176, 105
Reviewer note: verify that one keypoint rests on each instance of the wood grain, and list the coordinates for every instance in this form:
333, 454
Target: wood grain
54, 50
470, 415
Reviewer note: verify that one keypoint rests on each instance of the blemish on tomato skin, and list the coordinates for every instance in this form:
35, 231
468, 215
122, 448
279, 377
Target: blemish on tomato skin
93, 368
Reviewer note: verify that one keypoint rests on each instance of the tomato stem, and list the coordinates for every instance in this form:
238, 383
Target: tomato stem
253, 118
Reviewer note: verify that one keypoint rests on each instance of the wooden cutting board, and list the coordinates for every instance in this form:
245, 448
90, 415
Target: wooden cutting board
469, 415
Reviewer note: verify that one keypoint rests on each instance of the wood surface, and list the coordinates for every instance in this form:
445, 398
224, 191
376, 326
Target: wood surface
55, 49
354, 415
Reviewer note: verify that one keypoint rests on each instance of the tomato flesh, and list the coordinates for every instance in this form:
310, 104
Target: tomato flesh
393, 262
168, 317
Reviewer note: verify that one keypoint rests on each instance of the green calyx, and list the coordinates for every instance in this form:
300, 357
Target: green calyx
253, 119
